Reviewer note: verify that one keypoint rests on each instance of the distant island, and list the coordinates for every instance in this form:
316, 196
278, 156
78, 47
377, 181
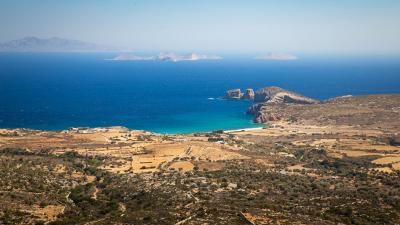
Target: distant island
166, 57
277, 56
54, 44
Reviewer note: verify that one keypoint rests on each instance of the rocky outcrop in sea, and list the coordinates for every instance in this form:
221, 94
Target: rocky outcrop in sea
265, 96
236, 94
249, 94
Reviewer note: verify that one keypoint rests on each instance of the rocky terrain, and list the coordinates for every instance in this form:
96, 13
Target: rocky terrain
335, 162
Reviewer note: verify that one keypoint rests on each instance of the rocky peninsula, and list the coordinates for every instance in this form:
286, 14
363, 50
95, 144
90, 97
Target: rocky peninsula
274, 104
265, 96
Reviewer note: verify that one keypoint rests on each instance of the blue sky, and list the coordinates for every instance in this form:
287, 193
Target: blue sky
315, 26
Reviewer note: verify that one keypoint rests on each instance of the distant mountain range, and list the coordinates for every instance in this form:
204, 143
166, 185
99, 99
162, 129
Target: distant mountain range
54, 44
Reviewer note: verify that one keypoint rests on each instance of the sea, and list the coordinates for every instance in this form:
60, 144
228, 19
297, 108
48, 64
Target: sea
57, 91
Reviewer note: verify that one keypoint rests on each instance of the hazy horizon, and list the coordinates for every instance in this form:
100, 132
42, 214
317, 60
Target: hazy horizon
339, 27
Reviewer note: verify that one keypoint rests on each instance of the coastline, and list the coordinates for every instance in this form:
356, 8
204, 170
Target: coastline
246, 129
118, 127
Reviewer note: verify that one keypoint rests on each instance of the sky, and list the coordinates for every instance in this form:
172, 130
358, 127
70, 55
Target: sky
242, 26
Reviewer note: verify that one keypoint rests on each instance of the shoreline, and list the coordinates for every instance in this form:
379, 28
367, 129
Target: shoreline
245, 129
95, 129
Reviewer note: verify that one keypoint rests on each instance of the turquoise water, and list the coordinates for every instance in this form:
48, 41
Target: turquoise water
57, 91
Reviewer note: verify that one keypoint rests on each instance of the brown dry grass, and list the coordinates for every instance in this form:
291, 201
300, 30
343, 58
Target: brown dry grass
282, 128
355, 153
134, 156
182, 166
396, 166
48, 213
387, 160
160, 154
210, 166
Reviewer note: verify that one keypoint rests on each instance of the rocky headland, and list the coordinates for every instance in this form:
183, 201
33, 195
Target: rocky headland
266, 96
273, 104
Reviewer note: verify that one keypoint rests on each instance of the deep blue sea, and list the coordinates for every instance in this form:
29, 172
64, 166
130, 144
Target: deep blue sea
55, 91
